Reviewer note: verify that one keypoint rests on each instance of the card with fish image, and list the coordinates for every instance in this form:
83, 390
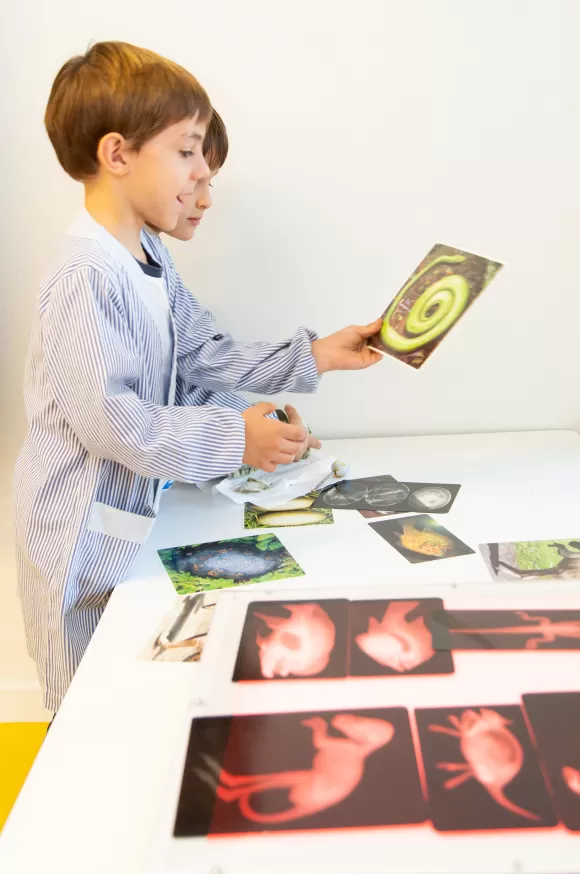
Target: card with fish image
395, 638
420, 538
528, 630
296, 512
555, 721
384, 495
432, 300
527, 560
481, 769
224, 563
284, 772
293, 640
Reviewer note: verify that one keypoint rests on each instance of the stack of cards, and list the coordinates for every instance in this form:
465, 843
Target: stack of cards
384, 495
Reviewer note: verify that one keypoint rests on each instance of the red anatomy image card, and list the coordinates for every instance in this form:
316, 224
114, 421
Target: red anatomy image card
299, 771
481, 769
555, 721
394, 638
293, 640
529, 630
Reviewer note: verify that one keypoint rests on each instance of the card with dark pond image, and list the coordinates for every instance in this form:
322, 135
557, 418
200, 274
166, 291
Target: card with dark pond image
395, 638
286, 772
528, 630
555, 721
224, 563
420, 538
293, 640
482, 770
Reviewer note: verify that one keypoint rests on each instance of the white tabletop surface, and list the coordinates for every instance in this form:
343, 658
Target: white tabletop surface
91, 801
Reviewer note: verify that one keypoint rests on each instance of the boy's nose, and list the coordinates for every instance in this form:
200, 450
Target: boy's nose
204, 202
200, 170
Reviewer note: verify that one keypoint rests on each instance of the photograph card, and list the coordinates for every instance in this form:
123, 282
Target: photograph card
420, 538
437, 294
224, 563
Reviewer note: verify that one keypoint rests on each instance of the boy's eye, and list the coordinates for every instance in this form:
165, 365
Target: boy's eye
187, 153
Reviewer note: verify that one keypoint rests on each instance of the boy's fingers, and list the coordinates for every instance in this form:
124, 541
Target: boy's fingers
369, 330
372, 357
314, 443
296, 433
282, 457
264, 408
290, 446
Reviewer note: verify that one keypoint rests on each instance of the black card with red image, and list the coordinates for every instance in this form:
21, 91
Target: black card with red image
482, 770
555, 721
299, 771
395, 637
286, 640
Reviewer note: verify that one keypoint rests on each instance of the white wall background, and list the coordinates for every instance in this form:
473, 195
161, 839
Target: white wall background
361, 134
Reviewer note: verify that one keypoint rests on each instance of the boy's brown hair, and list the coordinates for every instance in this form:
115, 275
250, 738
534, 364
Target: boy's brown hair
117, 88
215, 144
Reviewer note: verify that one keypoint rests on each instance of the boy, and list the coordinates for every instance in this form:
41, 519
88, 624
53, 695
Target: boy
215, 152
117, 337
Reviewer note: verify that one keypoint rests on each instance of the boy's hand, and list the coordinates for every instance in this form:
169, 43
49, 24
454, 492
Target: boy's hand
270, 442
347, 349
310, 442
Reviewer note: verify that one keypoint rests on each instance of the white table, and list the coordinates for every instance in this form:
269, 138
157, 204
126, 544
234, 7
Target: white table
91, 800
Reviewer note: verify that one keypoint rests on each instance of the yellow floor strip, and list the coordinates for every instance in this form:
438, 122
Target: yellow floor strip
19, 744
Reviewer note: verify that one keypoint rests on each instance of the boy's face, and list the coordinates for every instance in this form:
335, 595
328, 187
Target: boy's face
195, 207
163, 173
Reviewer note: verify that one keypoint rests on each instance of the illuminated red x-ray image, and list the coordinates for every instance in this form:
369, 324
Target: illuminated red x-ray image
395, 637
541, 630
554, 719
337, 769
493, 755
310, 771
299, 645
395, 641
293, 640
572, 779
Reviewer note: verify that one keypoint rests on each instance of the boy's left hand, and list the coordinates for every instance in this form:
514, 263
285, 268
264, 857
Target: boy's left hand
310, 442
347, 349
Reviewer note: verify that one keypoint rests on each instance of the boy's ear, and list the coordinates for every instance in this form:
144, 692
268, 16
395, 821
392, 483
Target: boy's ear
112, 154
